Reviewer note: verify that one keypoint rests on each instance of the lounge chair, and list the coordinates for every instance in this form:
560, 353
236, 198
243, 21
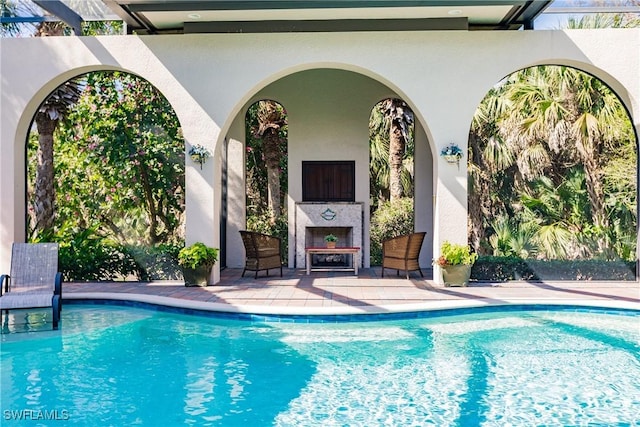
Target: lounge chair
403, 253
34, 281
262, 252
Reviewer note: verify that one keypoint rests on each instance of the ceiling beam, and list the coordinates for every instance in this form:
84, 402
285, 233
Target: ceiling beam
338, 25
64, 13
220, 5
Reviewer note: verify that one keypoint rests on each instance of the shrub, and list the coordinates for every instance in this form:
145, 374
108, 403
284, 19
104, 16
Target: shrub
500, 269
85, 256
390, 220
155, 262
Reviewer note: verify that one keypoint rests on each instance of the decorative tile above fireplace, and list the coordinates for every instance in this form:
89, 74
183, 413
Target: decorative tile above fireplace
313, 215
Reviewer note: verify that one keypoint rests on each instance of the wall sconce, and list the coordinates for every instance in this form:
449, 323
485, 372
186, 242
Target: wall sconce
199, 154
452, 153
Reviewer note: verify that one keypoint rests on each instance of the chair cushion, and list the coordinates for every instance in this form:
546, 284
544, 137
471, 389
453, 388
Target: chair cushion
26, 300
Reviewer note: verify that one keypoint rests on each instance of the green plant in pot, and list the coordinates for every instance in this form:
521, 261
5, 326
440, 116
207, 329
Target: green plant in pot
331, 240
196, 262
455, 262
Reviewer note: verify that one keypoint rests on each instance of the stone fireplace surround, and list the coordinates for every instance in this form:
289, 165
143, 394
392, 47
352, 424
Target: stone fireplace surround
326, 215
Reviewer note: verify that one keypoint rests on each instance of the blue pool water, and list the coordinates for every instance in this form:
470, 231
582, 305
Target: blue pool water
125, 366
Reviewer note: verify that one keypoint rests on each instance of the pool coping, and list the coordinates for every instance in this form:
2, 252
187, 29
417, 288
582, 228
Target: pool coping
359, 311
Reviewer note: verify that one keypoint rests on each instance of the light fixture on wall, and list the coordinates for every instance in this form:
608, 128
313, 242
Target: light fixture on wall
199, 154
452, 153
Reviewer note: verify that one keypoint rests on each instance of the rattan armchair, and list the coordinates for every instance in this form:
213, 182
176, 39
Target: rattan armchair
262, 252
403, 253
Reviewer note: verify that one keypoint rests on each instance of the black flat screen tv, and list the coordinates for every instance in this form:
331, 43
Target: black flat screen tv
329, 181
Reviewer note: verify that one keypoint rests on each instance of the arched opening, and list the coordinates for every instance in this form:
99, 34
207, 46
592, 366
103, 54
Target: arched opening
105, 178
391, 172
552, 179
327, 130
266, 169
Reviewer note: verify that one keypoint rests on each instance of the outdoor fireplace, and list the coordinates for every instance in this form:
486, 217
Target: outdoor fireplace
316, 220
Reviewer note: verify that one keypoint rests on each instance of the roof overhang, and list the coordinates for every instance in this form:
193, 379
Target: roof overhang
187, 16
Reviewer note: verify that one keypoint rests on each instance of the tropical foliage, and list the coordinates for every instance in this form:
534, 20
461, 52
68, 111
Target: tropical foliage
197, 255
391, 219
266, 130
455, 254
31, 27
119, 162
266, 170
391, 150
552, 169
605, 20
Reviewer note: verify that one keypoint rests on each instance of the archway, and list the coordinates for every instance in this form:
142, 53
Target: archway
327, 112
119, 182
266, 169
391, 164
552, 168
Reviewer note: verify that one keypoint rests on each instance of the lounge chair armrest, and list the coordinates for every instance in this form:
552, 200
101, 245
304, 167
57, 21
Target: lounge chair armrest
5, 283
57, 290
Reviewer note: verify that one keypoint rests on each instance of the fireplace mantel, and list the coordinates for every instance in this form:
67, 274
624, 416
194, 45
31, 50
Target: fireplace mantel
329, 214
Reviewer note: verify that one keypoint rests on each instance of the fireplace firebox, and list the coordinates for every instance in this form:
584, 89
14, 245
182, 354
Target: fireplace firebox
316, 220
314, 237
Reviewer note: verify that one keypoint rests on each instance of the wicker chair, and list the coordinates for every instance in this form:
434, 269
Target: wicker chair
262, 252
403, 253
34, 281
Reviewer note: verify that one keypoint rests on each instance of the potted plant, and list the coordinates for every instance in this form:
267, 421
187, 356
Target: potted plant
196, 262
452, 153
455, 262
331, 240
199, 154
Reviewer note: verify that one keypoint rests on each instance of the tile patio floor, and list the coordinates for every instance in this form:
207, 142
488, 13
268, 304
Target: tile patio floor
344, 293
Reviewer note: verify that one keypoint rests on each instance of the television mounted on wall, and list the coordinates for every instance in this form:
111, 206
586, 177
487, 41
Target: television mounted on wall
329, 181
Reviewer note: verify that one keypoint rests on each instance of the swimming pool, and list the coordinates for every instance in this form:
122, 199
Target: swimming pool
112, 365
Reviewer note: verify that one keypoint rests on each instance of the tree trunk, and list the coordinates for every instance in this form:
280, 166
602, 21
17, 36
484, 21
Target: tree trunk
596, 193
477, 190
396, 154
593, 181
44, 192
150, 203
272, 160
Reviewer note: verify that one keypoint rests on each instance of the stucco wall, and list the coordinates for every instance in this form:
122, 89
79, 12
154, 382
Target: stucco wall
210, 78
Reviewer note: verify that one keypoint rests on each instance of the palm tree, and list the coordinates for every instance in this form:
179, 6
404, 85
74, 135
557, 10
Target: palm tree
567, 113
12, 8
272, 120
54, 108
490, 157
557, 119
605, 20
378, 156
399, 119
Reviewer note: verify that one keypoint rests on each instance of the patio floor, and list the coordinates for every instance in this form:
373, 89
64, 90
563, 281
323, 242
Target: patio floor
344, 293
